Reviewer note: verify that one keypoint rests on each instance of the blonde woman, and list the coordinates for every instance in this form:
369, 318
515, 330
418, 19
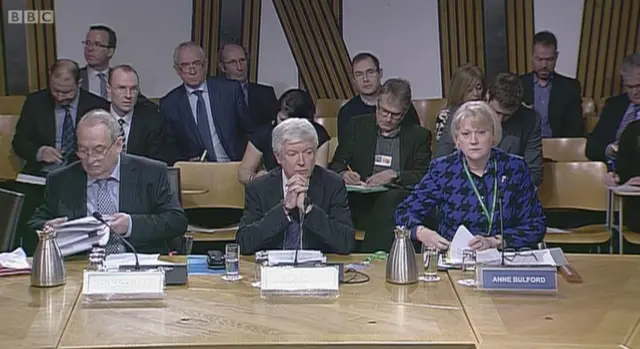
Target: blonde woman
467, 84
475, 186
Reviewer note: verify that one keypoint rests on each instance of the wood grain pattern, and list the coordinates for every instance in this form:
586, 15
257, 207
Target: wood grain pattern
212, 313
41, 47
251, 34
204, 30
603, 310
519, 35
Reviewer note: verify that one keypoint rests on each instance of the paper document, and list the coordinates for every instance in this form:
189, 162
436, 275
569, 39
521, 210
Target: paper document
199, 229
625, 188
365, 189
114, 261
29, 179
17, 259
81, 235
459, 243
277, 257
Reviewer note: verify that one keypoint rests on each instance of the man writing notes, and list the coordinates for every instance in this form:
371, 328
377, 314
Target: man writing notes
132, 193
297, 191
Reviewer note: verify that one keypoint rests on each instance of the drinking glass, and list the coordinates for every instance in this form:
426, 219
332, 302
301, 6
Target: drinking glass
468, 268
261, 259
232, 262
430, 264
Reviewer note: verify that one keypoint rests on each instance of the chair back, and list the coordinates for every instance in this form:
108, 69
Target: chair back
564, 149
574, 185
210, 185
330, 123
428, 110
174, 180
11, 105
333, 145
10, 163
329, 107
11, 204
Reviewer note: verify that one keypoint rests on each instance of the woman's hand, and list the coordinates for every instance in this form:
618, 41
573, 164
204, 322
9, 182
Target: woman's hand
481, 243
432, 239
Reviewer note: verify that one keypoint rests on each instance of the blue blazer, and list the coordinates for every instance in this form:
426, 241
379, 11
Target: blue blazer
230, 117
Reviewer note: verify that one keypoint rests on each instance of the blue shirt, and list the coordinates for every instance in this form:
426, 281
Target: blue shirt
541, 104
447, 187
61, 113
113, 185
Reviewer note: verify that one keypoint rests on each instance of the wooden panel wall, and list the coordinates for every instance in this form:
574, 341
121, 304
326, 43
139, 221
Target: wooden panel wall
519, 35
204, 29
461, 36
251, 34
41, 47
609, 33
317, 46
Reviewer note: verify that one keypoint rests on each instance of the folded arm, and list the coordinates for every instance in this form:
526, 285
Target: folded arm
414, 210
258, 226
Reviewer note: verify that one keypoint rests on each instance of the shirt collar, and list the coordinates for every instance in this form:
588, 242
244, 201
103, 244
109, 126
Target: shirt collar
92, 73
74, 103
490, 163
115, 174
127, 117
393, 133
202, 87
535, 79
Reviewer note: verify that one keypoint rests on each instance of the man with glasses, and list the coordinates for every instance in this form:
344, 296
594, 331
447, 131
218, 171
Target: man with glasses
367, 75
145, 131
208, 116
382, 152
261, 99
521, 133
132, 193
99, 47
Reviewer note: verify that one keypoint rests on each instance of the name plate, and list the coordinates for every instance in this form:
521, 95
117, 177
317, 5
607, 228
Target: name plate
107, 285
529, 279
321, 281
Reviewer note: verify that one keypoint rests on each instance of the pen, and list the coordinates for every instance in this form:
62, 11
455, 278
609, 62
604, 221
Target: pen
349, 168
203, 157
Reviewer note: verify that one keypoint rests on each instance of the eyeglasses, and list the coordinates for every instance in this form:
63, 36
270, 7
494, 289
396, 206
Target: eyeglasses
123, 90
522, 255
387, 112
98, 152
94, 44
186, 67
368, 73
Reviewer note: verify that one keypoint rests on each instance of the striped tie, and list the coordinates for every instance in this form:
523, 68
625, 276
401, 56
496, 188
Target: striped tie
106, 207
122, 122
68, 143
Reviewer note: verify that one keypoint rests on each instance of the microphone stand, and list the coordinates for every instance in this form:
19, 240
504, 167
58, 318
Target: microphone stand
503, 244
99, 217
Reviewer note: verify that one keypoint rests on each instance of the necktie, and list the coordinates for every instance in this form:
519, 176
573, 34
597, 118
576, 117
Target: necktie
68, 143
203, 125
103, 85
245, 90
292, 232
122, 122
627, 119
106, 206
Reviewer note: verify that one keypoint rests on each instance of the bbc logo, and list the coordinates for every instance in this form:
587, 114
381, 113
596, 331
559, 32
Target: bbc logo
30, 17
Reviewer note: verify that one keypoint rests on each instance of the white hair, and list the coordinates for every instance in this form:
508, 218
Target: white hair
630, 64
101, 117
185, 45
293, 130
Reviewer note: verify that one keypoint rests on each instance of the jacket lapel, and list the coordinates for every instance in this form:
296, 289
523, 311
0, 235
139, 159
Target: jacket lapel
214, 102
554, 94
527, 87
316, 187
77, 192
84, 77
135, 133
187, 116
370, 144
129, 178
405, 149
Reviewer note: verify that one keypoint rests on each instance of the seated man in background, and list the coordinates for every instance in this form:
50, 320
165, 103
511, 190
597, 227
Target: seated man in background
383, 152
465, 188
520, 125
297, 193
132, 193
618, 112
556, 98
259, 158
367, 75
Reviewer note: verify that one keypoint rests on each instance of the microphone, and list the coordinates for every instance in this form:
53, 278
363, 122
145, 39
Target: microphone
302, 212
503, 244
99, 217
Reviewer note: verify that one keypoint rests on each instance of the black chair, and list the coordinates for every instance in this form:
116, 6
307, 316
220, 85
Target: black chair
10, 208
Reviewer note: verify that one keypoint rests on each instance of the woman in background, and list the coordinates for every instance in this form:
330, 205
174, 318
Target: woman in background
258, 159
467, 84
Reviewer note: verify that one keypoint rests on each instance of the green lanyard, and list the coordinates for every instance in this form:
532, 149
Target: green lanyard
475, 190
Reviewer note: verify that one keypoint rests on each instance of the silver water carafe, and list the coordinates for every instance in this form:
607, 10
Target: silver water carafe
48, 268
401, 263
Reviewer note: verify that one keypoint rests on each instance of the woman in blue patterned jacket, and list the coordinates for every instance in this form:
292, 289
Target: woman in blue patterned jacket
468, 187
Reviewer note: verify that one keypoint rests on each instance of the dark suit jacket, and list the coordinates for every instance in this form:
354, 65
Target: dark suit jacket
358, 151
605, 131
145, 194
263, 104
521, 136
37, 125
142, 100
327, 227
627, 167
150, 135
565, 104
230, 116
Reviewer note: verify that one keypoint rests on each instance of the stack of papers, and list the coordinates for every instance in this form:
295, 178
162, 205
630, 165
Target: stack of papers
279, 257
81, 235
365, 189
14, 263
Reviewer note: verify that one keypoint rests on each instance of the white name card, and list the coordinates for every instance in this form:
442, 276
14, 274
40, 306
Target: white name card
307, 279
123, 283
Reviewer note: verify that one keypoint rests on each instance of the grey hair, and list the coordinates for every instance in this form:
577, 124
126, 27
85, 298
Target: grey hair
101, 117
629, 64
481, 115
397, 90
293, 130
184, 45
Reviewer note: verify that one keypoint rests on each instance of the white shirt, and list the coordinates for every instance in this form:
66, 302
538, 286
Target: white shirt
221, 154
128, 118
94, 80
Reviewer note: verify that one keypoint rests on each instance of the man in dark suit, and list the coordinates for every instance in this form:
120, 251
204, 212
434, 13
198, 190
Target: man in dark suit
206, 113
556, 98
383, 152
145, 131
297, 191
520, 125
132, 193
261, 99
618, 112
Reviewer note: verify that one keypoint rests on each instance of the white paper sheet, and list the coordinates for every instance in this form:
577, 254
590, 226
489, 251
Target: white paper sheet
16, 259
459, 243
114, 261
277, 257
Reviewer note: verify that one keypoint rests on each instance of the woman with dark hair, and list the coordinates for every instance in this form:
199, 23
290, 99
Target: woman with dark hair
258, 159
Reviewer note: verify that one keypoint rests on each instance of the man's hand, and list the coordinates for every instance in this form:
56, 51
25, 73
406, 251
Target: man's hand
381, 178
49, 155
635, 181
53, 223
351, 178
480, 243
612, 150
611, 179
297, 187
119, 222
432, 239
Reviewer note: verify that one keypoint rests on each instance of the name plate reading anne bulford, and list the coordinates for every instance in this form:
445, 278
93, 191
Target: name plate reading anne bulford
518, 279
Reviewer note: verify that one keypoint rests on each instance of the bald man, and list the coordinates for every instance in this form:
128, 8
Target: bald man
261, 99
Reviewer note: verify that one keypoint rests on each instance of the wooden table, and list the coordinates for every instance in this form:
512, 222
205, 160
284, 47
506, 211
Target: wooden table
601, 312
213, 313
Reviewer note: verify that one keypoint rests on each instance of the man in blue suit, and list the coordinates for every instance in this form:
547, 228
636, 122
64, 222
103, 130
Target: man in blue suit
205, 114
